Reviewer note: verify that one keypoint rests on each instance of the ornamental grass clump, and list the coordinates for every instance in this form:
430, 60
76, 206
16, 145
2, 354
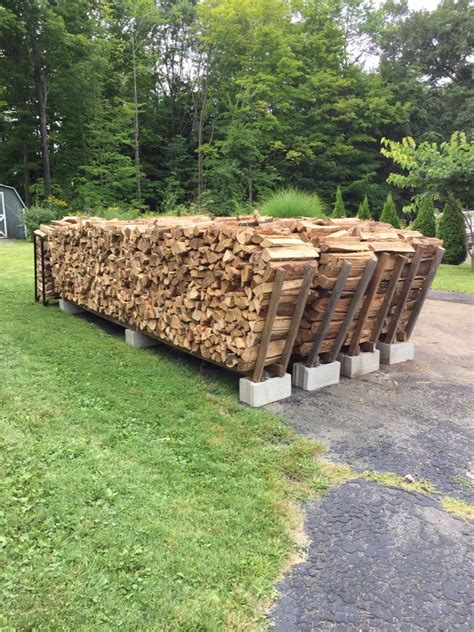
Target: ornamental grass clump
292, 203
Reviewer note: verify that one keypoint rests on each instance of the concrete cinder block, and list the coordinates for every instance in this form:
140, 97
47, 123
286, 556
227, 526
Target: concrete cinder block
260, 393
139, 340
314, 378
396, 352
355, 366
68, 307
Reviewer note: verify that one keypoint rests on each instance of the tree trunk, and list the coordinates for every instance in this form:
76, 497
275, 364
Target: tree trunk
40, 86
136, 123
26, 176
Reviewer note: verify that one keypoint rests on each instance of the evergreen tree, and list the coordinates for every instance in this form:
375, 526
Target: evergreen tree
452, 231
364, 210
389, 213
339, 208
425, 220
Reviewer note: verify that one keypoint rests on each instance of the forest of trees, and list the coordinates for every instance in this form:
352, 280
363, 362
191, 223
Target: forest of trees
157, 103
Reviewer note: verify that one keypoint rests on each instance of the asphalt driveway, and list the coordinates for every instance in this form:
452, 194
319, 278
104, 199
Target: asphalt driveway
382, 558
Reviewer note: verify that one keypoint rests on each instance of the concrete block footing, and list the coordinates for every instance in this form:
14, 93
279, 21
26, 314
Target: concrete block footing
355, 366
260, 393
314, 378
139, 340
68, 307
396, 352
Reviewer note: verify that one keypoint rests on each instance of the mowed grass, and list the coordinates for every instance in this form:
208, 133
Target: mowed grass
455, 278
137, 493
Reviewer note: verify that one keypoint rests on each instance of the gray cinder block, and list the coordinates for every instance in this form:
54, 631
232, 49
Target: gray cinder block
355, 366
139, 340
314, 378
260, 393
68, 307
396, 352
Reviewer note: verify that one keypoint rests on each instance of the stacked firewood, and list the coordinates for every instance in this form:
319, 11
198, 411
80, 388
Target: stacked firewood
205, 285
201, 285
359, 242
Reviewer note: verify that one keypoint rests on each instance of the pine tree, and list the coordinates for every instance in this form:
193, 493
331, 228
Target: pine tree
364, 210
389, 213
339, 208
452, 231
425, 220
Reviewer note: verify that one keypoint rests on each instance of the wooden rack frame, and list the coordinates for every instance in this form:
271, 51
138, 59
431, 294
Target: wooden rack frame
38, 249
279, 368
354, 304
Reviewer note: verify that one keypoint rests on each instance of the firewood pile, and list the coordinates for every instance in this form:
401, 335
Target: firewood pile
246, 292
201, 285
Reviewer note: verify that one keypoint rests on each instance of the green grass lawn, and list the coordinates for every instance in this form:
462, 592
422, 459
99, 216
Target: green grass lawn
137, 493
455, 278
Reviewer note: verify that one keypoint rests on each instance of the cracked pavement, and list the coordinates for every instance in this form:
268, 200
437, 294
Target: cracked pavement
381, 558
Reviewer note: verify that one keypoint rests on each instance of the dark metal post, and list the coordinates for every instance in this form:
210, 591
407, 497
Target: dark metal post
35, 255
42, 272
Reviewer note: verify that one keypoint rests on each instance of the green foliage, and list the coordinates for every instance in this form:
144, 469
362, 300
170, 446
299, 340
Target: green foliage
292, 203
389, 212
117, 212
339, 209
425, 220
451, 230
440, 172
364, 209
43, 213
154, 104
133, 479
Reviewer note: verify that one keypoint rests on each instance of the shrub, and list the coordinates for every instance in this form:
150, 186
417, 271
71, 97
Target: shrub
292, 203
33, 216
115, 212
389, 213
364, 210
339, 208
452, 231
425, 220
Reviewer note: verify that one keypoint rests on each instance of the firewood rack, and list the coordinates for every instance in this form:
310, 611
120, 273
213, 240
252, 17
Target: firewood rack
38, 250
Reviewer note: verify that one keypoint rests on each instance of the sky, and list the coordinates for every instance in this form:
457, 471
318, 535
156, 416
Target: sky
416, 5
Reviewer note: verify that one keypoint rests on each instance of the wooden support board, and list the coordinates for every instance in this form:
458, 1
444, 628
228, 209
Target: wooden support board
313, 358
267, 330
402, 299
423, 292
356, 299
280, 368
400, 262
369, 299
